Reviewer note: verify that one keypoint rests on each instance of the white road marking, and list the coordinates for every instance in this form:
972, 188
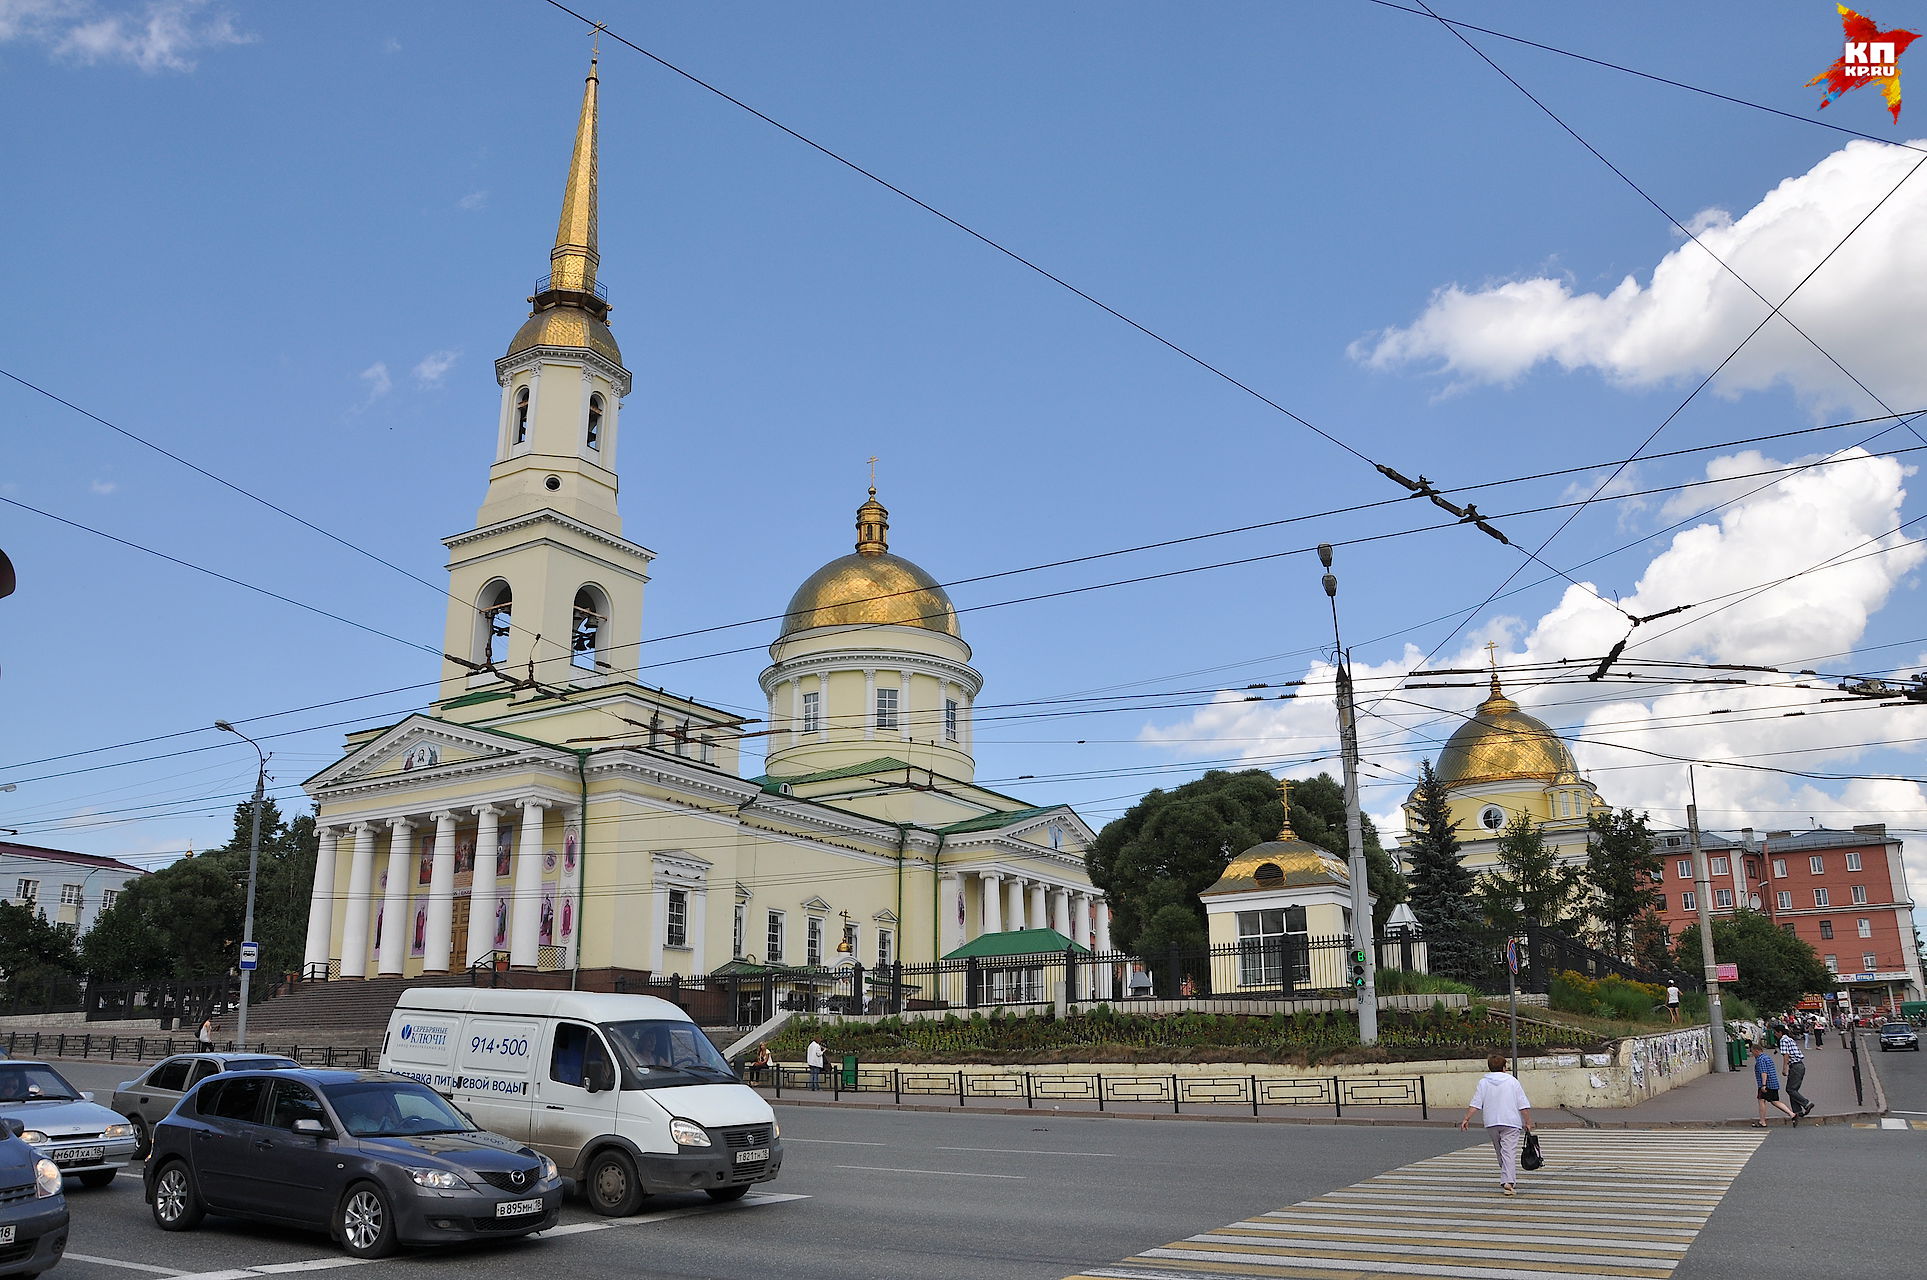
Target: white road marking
131, 1266
1031, 1151
836, 1142
942, 1173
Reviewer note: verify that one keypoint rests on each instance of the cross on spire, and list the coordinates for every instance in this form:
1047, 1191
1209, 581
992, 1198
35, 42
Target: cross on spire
873, 475
1284, 794
1492, 656
595, 50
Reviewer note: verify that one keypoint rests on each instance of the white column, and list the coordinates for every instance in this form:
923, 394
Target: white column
1060, 910
438, 939
950, 908
359, 905
903, 703
1014, 909
481, 898
796, 711
869, 702
993, 914
321, 902
525, 906
391, 949
696, 913
1038, 914
1106, 974
1081, 919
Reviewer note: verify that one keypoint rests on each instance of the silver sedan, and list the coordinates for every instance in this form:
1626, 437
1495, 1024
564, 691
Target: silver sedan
82, 1138
148, 1098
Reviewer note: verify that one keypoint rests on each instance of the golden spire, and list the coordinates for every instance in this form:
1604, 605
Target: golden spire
872, 522
573, 261
1492, 656
1284, 793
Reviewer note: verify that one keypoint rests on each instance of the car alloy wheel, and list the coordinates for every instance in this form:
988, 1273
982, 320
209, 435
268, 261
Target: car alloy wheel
143, 1140
177, 1206
367, 1227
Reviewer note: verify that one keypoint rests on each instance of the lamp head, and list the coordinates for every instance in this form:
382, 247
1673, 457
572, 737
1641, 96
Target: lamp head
1325, 554
224, 726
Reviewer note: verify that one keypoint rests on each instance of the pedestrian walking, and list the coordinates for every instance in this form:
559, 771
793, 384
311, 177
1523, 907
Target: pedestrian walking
206, 1034
1767, 1077
1672, 1000
1794, 1060
1508, 1118
814, 1057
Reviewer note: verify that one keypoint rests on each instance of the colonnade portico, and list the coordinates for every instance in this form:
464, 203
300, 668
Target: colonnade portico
512, 911
1009, 902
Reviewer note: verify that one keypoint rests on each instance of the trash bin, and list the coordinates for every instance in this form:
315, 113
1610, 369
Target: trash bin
1736, 1054
849, 1071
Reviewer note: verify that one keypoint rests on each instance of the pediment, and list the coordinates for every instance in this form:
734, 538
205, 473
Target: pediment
418, 745
817, 905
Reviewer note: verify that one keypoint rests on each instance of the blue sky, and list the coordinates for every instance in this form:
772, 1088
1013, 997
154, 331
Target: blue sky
287, 242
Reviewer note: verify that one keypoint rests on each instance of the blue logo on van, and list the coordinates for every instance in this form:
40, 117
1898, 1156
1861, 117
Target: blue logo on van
407, 1031
426, 1035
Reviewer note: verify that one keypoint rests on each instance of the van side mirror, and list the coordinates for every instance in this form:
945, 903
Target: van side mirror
598, 1077
311, 1127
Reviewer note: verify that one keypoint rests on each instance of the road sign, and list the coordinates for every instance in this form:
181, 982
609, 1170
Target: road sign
250, 955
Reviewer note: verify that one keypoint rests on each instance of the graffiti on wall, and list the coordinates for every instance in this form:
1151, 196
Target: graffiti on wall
1663, 1056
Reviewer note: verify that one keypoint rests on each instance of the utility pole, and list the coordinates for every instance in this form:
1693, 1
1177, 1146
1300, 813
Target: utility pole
254, 871
1703, 882
1363, 961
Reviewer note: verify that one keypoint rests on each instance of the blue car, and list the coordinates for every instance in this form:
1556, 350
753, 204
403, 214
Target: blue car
33, 1212
374, 1159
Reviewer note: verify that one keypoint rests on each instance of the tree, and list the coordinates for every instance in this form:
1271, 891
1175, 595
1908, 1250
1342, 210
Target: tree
1530, 882
1776, 968
1172, 845
1443, 892
1622, 869
37, 956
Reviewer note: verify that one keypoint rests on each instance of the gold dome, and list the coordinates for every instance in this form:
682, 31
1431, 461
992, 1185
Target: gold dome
566, 326
870, 587
1280, 864
1501, 743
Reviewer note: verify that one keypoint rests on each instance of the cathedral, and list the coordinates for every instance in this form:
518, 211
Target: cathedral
549, 812
1503, 764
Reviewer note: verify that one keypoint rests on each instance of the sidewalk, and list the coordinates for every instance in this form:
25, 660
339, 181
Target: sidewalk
1724, 1099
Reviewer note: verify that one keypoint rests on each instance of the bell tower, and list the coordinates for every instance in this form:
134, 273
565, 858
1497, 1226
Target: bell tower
545, 584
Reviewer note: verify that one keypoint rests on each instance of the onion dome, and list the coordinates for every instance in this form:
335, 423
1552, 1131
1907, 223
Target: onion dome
1501, 743
871, 587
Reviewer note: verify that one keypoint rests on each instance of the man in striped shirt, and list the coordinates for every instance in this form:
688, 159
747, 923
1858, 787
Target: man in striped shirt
1794, 1062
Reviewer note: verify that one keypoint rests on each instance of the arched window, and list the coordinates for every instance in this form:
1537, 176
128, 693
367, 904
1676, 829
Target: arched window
521, 432
585, 639
594, 435
492, 624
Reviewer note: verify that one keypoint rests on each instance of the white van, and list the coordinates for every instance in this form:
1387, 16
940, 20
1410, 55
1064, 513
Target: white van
623, 1092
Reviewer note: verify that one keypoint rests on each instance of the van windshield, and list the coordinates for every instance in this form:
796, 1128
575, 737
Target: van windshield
664, 1052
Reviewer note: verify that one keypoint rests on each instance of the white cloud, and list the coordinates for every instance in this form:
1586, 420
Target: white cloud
1771, 535
391, 45
159, 35
1865, 305
102, 487
433, 368
472, 201
376, 383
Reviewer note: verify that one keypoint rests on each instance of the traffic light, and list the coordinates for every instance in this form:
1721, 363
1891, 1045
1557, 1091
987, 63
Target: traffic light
1358, 967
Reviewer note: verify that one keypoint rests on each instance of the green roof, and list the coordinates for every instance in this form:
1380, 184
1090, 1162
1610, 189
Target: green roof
1017, 942
883, 764
992, 821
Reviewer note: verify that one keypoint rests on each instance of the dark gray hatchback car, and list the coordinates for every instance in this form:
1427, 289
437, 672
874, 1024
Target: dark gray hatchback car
376, 1160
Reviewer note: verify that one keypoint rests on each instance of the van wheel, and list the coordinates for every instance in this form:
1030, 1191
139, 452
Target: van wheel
726, 1194
611, 1184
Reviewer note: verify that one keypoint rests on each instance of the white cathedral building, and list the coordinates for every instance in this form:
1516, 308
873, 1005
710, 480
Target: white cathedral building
547, 811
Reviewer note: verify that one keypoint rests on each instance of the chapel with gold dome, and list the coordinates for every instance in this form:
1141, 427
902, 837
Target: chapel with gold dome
1502, 764
551, 811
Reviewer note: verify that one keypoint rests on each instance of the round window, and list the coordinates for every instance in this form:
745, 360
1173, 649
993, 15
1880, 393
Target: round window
1492, 817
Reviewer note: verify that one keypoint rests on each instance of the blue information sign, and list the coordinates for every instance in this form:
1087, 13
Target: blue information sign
250, 954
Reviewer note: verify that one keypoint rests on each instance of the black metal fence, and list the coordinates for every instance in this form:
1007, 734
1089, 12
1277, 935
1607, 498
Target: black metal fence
94, 1046
1103, 1091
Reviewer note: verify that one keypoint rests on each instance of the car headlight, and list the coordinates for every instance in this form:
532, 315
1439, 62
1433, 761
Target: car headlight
687, 1133
35, 1138
776, 1128
549, 1171
118, 1131
439, 1179
46, 1179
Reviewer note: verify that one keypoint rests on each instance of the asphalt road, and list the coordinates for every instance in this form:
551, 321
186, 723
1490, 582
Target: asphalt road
1038, 1197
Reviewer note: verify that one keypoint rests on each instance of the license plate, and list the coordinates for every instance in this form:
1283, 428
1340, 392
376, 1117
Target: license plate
753, 1155
516, 1208
79, 1155
6, 1235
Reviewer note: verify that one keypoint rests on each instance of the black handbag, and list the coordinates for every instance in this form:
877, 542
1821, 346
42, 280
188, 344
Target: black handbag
1531, 1157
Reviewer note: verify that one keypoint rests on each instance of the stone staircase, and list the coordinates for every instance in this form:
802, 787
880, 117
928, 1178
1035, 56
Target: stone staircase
345, 1013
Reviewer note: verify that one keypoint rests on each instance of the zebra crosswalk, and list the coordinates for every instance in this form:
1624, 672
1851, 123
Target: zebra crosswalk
1623, 1203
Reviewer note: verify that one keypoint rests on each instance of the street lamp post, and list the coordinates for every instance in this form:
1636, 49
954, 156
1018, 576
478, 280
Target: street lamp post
1364, 942
254, 868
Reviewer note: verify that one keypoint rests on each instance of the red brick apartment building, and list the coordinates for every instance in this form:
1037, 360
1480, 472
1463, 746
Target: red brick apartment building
1843, 892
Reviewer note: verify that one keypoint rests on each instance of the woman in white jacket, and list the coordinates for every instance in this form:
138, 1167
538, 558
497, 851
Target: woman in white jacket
1508, 1117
